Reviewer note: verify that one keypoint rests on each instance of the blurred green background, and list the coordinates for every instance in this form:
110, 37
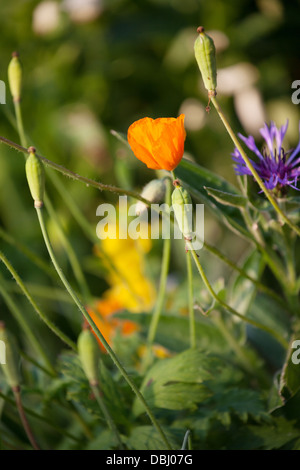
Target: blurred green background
95, 65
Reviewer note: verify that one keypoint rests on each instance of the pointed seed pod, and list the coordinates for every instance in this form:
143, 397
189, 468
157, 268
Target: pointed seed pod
183, 211
15, 77
35, 174
205, 54
89, 354
154, 191
11, 366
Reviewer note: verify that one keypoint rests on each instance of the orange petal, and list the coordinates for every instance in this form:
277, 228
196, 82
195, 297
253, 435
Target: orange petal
158, 142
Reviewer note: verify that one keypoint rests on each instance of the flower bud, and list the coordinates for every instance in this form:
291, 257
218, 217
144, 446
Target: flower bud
154, 191
15, 77
205, 54
89, 353
35, 173
183, 211
11, 366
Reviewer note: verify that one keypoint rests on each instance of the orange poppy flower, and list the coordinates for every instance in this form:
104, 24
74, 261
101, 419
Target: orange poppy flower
158, 142
102, 315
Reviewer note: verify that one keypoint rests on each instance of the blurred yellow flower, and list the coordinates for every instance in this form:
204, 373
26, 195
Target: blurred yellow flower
130, 289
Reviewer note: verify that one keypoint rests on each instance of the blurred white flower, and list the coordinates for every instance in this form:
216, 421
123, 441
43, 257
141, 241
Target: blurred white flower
250, 109
233, 79
82, 11
46, 17
194, 113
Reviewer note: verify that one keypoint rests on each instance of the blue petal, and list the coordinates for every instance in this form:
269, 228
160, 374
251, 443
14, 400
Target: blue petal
250, 142
280, 134
268, 134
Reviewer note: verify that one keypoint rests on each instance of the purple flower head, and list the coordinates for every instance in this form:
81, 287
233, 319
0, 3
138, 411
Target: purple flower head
277, 168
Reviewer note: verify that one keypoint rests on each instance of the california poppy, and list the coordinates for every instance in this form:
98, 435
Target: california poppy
158, 142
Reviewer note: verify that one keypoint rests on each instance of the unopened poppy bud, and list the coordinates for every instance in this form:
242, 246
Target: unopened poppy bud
15, 77
183, 211
35, 173
154, 192
11, 366
205, 54
89, 353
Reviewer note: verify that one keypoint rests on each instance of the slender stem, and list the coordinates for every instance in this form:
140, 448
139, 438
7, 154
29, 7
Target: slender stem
20, 124
96, 330
75, 176
234, 344
73, 207
29, 333
78, 273
227, 307
42, 419
191, 300
27, 252
41, 314
162, 282
34, 362
243, 273
107, 416
252, 169
41, 291
185, 440
25, 423
80, 420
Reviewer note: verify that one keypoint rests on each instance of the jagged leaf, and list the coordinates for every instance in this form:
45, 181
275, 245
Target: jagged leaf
178, 383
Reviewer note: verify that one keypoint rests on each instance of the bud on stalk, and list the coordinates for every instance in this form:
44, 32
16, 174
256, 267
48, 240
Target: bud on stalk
11, 366
183, 211
89, 353
205, 54
15, 77
35, 173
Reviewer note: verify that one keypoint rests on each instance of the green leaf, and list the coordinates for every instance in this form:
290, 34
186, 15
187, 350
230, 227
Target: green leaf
177, 383
173, 332
275, 435
78, 389
242, 402
290, 375
228, 199
195, 178
291, 408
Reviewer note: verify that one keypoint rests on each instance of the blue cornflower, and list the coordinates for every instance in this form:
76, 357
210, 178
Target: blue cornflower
277, 168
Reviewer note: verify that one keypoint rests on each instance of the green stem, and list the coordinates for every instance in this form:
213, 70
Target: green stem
38, 290
107, 415
20, 124
96, 330
191, 300
252, 169
80, 420
234, 344
29, 333
42, 419
162, 282
87, 229
27, 252
41, 314
75, 176
31, 438
261, 287
78, 273
227, 307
